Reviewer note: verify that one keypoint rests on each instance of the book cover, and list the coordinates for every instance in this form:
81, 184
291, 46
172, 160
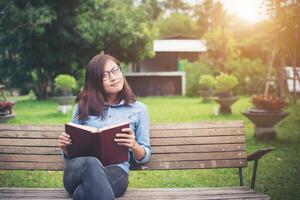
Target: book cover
97, 142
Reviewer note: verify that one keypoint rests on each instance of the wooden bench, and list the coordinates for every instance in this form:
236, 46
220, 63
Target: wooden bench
201, 145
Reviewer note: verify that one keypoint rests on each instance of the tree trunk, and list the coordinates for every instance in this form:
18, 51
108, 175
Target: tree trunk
43, 87
280, 75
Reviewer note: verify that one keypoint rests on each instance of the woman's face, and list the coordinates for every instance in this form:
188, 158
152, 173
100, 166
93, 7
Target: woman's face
113, 80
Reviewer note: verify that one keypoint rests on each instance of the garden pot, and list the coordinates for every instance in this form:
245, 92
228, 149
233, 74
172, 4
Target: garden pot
64, 103
264, 122
206, 95
225, 103
64, 100
5, 118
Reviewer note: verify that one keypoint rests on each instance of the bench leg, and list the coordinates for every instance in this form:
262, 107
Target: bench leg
254, 173
241, 176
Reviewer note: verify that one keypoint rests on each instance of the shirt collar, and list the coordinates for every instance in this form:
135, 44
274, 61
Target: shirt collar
121, 103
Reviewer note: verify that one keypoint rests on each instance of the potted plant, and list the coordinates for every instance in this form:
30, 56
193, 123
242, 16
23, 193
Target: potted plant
5, 107
266, 112
207, 83
63, 87
224, 85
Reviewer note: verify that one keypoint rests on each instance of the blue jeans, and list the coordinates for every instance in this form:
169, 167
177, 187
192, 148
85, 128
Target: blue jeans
87, 178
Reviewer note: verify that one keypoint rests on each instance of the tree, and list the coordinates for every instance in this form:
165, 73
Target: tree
177, 23
285, 15
118, 28
40, 39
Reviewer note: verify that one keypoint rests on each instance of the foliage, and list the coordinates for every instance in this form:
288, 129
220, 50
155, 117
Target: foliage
222, 47
225, 83
268, 102
40, 39
64, 83
117, 27
207, 81
177, 24
248, 72
193, 72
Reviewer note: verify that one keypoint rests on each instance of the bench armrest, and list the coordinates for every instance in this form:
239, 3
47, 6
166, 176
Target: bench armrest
258, 154
255, 157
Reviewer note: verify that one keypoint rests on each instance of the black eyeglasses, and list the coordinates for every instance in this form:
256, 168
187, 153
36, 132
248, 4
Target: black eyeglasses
115, 71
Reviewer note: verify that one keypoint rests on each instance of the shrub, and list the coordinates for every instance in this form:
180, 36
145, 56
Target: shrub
268, 102
207, 82
64, 84
193, 71
225, 83
248, 72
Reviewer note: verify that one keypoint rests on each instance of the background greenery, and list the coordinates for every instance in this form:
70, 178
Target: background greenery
278, 173
41, 39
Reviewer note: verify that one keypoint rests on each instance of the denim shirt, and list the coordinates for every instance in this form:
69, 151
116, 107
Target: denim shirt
137, 115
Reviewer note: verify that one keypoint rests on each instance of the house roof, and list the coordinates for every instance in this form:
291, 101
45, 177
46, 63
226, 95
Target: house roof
179, 45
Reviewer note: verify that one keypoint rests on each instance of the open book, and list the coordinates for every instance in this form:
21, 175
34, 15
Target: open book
97, 142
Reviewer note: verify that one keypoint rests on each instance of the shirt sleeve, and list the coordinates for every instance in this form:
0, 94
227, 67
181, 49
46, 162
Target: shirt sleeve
142, 135
73, 120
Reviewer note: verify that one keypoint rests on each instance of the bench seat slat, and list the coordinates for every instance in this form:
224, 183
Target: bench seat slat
154, 141
198, 156
155, 149
30, 158
155, 157
198, 148
153, 193
29, 150
198, 140
194, 125
197, 164
28, 142
52, 166
154, 133
195, 132
30, 134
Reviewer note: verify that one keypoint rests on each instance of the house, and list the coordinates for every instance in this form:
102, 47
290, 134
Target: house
290, 79
162, 74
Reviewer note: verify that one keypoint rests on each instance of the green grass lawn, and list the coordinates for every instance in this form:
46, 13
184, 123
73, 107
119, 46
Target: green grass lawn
278, 173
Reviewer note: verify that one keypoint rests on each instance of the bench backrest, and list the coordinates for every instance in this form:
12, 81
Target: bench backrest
174, 146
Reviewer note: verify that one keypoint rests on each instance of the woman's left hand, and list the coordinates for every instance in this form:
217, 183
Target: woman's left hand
126, 138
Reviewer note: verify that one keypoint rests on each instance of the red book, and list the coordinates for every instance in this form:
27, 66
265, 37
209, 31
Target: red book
97, 142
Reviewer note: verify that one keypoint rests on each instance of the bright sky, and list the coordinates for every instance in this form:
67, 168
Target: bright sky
250, 10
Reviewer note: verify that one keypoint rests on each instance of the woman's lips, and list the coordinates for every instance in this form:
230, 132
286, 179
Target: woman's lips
115, 84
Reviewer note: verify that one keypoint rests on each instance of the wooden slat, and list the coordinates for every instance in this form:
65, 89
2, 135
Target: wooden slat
46, 128
31, 166
198, 140
181, 125
28, 142
196, 132
153, 193
198, 156
197, 164
30, 150
154, 141
198, 148
155, 149
30, 134
30, 158
189, 125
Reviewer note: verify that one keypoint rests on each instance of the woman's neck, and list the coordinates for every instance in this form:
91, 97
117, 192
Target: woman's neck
112, 99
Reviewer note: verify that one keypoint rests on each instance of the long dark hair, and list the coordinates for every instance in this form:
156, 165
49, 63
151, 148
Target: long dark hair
92, 98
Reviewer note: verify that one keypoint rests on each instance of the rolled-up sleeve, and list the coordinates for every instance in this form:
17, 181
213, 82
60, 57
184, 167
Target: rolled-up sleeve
76, 121
142, 135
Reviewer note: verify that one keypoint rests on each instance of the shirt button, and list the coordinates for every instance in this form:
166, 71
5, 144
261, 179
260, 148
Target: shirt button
109, 116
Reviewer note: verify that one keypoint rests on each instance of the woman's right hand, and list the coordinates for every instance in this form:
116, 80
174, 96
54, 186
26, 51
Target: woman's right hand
64, 141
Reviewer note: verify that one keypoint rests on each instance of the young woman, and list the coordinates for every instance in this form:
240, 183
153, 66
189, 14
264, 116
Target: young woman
105, 100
